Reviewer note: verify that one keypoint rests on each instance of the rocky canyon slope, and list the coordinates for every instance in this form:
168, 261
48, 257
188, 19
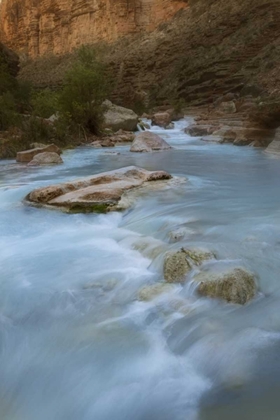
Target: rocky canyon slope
208, 48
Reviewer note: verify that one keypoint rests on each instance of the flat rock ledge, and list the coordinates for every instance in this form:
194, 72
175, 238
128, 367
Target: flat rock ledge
98, 193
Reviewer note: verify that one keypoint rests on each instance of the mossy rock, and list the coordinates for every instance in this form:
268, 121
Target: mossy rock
236, 285
178, 264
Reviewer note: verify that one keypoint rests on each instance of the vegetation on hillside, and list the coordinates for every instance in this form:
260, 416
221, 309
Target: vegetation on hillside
76, 109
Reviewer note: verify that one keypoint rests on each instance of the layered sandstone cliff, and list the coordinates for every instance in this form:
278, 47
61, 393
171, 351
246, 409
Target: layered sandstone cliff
38, 27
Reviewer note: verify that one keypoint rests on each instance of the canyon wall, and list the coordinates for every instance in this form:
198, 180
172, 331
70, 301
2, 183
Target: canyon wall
39, 27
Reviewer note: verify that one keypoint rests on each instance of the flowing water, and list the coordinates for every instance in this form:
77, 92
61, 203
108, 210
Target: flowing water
76, 343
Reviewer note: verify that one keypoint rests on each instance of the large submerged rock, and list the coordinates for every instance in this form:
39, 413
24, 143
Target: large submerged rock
148, 142
119, 118
28, 155
98, 193
177, 264
236, 285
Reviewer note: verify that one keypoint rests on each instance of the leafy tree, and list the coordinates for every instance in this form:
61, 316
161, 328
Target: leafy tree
44, 103
84, 91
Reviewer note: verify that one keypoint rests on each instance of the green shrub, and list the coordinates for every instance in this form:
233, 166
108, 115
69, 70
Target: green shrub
84, 90
44, 103
8, 83
36, 130
8, 111
23, 95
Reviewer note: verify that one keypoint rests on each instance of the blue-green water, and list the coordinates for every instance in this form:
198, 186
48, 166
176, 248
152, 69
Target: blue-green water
76, 343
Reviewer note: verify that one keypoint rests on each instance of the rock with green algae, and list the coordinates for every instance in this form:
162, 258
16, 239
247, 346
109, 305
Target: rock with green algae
177, 264
235, 285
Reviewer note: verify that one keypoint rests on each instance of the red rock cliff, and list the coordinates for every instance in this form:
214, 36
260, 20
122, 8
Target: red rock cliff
38, 27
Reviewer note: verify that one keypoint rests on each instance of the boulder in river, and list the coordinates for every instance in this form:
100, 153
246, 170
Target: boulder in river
46, 158
177, 264
235, 285
119, 118
27, 155
162, 119
148, 142
98, 193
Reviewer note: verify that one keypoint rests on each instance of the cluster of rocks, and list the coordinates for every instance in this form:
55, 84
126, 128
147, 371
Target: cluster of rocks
235, 285
40, 154
229, 121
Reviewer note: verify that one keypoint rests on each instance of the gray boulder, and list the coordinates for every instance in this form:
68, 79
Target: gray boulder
119, 118
27, 155
46, 158
148, 142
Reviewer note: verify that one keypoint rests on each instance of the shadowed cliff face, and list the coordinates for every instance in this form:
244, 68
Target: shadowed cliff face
9, 58
38, 27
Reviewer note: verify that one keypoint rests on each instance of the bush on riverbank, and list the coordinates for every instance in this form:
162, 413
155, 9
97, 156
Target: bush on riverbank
77, 107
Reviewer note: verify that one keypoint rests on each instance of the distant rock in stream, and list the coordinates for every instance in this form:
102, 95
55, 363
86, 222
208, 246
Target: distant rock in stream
149, 142
99, 193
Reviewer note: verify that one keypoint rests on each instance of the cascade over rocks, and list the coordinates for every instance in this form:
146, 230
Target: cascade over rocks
149, 142
99, 193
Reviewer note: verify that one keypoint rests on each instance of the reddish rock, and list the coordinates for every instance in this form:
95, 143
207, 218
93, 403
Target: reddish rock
162, 119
